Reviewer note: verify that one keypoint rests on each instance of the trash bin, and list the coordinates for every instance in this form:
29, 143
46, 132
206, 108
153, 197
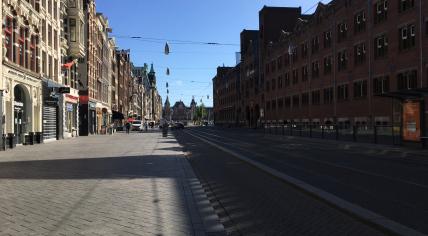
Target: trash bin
38, 137
165, 131
11, 140
29, 139
3, 144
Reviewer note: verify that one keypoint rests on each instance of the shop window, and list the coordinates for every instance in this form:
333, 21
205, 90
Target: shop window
407, 37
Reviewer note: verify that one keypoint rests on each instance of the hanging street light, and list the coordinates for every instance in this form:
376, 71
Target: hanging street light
166, 48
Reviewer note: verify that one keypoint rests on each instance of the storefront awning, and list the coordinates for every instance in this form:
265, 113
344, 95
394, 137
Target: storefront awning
407, 94
117, 116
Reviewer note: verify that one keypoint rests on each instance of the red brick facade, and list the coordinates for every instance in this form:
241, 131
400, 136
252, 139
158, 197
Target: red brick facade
352, 62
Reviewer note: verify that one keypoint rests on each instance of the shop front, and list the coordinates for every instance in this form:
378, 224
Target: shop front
21, 115
71, 114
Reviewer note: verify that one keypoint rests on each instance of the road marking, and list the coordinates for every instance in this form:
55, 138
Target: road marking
349, 168
349, 207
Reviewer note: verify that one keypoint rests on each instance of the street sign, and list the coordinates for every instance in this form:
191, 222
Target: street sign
64, 90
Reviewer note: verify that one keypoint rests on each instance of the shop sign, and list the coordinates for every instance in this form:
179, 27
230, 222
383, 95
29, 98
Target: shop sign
69, 107
18, 104
71, 98
412, 121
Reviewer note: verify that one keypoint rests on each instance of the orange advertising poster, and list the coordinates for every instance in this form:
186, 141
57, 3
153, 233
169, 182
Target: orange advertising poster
412, 121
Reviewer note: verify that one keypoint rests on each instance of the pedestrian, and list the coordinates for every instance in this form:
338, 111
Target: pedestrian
128, 127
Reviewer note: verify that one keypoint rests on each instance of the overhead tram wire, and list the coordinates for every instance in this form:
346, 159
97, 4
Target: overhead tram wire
173, 41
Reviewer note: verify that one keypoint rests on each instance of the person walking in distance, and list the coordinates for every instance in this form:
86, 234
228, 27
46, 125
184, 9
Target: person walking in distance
128, 127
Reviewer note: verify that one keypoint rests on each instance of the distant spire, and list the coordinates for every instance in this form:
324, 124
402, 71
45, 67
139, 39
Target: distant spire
152, 70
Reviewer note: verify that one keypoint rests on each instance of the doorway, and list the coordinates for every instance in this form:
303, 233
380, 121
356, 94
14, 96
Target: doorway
19, 122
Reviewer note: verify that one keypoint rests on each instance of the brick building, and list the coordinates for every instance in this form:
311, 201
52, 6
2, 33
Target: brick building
227, 98
350, 63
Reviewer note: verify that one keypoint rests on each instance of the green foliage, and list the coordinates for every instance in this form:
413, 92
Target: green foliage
199, 114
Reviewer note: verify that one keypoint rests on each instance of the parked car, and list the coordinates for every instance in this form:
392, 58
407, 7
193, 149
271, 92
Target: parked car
178, 125
137, 125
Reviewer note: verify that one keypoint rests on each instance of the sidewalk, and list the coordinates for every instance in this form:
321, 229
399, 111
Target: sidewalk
136, 184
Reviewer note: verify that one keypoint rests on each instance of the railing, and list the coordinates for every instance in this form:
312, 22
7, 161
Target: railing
385, 134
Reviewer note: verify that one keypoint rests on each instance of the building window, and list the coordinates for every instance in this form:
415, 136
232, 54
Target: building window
296, 101
360, 89
268, 105
287, 79
273, 105
55, 9
50, 41
287, 102
279, 62
404, 5
342, 60
21, 47
327, 39
381, 46
273, 66
55, 40
316, 97
305, 73
8, 40
381, 85
407, 80
304, 49
342, 31
380, 11
342, 92
328, 65
267, 69
315, 45
267, 86
360, 22
359, 53
33, 53
280, 82
305, 99
328, 95
73, 30
407, 37
286, 60
273, 84
295, 76
294, 55
72, 3
315, 69
280, 103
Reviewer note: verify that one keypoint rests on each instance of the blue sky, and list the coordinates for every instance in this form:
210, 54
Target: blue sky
192, 66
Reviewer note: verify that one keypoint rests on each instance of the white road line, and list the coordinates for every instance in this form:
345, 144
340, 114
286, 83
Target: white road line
354, 170
353, 209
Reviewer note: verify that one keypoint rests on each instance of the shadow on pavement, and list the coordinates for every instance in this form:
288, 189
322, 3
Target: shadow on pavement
161, 166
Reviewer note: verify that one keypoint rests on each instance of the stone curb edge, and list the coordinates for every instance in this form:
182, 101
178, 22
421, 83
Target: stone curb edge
353, 209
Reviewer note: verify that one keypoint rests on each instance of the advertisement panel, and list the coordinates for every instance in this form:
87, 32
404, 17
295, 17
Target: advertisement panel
412, 121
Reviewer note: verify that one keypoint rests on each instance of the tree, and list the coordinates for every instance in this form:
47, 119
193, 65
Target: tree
200, 113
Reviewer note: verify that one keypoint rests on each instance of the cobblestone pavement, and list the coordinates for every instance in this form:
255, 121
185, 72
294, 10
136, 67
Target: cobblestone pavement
252, 202
137, 184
